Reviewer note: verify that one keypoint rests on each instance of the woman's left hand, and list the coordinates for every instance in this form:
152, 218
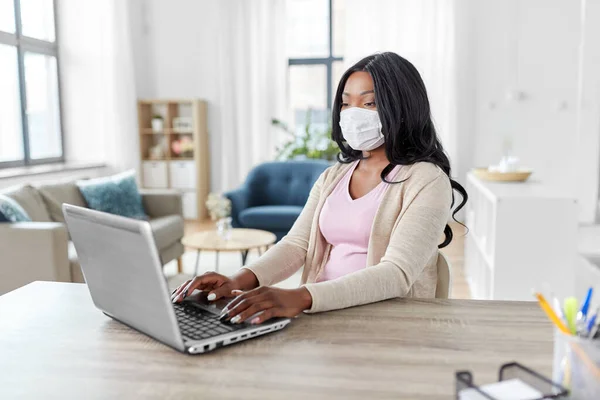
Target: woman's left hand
272, 302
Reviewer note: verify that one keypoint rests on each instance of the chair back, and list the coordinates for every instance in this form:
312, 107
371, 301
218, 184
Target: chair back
444, 281
283, 183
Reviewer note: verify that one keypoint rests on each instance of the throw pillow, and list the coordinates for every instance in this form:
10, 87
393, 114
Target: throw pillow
56, 194
11, 211
116, 194
30, 200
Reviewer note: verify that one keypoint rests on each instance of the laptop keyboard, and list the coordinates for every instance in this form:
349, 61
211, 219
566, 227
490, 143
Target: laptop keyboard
198, 324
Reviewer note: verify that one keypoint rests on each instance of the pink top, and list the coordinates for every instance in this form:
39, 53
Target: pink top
346, 224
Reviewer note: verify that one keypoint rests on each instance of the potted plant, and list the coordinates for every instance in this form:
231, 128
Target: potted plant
157, 123
312, 143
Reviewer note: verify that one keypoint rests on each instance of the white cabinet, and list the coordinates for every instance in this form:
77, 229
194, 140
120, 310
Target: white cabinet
155, 174
183, 174
521, 236
190, 205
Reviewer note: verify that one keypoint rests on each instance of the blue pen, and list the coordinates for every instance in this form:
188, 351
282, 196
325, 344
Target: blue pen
591, 322
582, 315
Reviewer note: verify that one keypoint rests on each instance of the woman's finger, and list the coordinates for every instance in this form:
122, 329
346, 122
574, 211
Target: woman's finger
243, 296
244, 304
179, 289
219, 292
258, 306
199, 282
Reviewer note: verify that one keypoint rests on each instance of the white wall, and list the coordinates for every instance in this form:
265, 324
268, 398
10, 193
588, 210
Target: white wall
59, 176
142, 51
175, 52
586, 170
512, 48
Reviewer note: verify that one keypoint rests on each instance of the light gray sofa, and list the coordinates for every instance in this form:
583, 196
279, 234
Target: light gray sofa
41, 249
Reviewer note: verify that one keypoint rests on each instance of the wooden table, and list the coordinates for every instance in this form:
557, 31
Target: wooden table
55, 344
242, 240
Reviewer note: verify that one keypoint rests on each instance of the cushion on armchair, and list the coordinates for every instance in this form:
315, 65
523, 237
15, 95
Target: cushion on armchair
56, 194
11, 211
29, 198
272, 218
117, 194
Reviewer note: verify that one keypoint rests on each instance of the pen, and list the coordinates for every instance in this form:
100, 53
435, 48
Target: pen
558, 309
582, 314
551, 314
591, 322
571, 314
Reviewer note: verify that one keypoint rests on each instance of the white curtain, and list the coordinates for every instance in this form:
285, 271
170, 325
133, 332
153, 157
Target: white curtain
252, 72
421, 31
98, 83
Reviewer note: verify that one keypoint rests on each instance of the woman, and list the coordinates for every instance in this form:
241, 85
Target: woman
372, 223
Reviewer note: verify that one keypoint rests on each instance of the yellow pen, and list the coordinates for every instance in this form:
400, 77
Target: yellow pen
551, 314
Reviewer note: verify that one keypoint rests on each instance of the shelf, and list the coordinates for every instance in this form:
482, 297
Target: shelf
174, 132
186, 173
531, 189
165, 101
169, 159
149, 131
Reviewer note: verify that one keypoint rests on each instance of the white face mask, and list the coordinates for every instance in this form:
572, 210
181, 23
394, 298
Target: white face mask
361, 128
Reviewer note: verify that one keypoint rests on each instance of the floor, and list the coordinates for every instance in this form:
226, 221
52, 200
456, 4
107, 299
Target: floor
229, 263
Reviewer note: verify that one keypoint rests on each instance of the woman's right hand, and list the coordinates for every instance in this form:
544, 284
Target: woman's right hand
217, 285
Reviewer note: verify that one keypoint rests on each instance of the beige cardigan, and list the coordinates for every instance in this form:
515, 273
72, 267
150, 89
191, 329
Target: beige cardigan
402, 253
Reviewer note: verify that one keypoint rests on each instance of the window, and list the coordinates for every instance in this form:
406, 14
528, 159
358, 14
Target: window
315, 59
30, 126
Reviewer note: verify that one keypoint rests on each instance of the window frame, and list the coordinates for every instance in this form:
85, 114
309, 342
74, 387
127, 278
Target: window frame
25, 44
326, 61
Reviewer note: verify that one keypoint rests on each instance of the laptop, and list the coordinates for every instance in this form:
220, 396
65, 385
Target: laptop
123, 271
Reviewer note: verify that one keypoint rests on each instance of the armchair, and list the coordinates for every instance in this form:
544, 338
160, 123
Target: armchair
274, 194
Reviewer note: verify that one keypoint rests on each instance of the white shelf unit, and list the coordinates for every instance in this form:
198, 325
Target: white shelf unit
521, 236
189, 173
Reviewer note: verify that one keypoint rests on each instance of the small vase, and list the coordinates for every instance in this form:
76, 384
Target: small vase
224, 228
157, 125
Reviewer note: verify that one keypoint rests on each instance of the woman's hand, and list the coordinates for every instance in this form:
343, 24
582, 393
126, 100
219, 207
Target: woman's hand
271, 302
218, 285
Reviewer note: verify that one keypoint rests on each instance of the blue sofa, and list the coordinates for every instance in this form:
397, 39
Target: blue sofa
274, 194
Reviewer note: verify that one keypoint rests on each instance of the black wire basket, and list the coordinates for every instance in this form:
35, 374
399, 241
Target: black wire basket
513, 370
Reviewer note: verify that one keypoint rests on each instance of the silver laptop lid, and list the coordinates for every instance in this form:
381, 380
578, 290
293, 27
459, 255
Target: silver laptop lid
122, 269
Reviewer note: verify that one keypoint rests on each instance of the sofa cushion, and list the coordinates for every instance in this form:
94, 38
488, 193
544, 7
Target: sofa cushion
11, 211
29, 198
167, 230
116, 194
55, 195
271, 218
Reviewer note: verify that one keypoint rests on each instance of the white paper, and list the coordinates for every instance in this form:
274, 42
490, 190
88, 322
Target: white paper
512, 389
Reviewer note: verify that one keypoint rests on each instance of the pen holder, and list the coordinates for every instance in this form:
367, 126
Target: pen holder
576, 365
